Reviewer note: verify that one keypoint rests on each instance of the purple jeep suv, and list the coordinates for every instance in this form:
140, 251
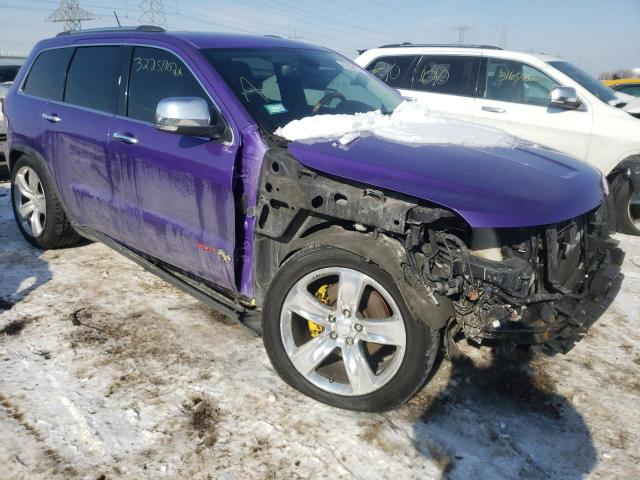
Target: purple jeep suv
352, 260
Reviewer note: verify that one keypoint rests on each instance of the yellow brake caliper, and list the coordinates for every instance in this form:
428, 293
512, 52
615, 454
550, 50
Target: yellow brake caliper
321, 295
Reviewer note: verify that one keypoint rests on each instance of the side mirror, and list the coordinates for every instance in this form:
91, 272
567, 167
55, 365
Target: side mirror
187, 116
564, 97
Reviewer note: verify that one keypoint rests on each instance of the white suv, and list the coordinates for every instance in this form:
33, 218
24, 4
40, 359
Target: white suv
540, 98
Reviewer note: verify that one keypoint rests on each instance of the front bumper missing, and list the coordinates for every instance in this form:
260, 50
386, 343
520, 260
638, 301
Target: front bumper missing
565, 321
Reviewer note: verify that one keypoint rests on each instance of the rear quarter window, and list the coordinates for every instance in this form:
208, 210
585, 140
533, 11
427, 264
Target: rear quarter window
47, 74
92, 81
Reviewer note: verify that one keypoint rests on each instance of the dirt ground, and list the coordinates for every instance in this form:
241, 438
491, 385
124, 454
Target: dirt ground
108, 372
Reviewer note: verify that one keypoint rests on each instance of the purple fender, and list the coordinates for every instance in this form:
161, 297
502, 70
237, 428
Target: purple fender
492, 187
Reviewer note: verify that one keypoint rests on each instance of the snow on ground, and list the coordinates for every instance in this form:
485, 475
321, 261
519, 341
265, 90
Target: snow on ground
411, 122
108, 372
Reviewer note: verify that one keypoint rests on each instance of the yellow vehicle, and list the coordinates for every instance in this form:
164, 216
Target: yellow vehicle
630, 86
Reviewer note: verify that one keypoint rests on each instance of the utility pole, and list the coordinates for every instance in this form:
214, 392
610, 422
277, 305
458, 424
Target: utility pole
71, 14
152, 13
462, 30
504, 35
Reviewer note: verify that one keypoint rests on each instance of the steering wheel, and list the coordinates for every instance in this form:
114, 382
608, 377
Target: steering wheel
326, 99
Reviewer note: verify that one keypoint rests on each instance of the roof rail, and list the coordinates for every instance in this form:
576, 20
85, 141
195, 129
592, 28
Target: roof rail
450, 45
139, 28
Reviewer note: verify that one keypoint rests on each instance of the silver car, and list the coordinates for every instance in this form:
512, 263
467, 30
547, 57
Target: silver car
8, 70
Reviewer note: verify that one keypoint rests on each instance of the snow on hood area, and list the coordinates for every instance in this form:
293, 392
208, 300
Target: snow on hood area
411, 122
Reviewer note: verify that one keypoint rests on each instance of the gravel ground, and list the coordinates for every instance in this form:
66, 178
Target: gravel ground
108, 372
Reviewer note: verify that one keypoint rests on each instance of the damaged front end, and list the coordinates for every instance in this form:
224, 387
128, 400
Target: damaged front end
473, 267
536, 285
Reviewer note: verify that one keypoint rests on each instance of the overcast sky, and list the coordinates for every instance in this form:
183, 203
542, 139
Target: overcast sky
596, 35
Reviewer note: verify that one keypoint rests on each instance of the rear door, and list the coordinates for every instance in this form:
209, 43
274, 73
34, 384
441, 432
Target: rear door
175, 192
514, 96
78, 136
447, 83
43, 85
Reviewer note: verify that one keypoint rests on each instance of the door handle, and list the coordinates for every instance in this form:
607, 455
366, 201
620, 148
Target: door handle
125, 138
51, 117
493, 109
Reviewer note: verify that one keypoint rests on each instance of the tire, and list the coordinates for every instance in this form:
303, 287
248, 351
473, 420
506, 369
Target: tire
627, 206
51, 229
401, 366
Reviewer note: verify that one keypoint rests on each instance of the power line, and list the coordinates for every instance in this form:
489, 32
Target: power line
287, 14
304, 14
71, 14
223, 14
213, 22
411, 15
152, 13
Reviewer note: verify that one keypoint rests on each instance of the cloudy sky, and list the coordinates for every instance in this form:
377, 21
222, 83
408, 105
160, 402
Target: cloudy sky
596, 35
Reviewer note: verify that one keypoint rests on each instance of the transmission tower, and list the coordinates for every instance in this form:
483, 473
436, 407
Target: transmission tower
504, 35
71, 14
462, 30
152, 13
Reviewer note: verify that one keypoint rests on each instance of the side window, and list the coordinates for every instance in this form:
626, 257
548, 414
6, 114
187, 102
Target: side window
155, 75
46, 77
92, 81
511, 81
394, 71
449, 74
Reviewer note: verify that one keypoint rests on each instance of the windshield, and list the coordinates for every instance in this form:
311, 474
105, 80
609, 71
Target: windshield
8, 73
283, 84
594, 86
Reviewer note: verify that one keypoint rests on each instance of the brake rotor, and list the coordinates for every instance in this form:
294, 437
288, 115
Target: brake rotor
374, 307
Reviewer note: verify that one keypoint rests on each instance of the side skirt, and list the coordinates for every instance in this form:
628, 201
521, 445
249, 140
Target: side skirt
248, 318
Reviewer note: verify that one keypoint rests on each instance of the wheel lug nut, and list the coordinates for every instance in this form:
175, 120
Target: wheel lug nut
334, 335
346, 313
358, 327
332, 318
349, 340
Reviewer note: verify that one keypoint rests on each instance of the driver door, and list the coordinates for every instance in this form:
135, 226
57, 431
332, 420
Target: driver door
174, 191
514, 96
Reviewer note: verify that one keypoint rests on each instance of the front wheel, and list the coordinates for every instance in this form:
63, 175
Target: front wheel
627, 205
337, 329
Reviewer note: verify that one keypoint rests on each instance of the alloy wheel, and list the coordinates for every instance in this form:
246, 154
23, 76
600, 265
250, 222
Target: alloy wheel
343, 331
30, 201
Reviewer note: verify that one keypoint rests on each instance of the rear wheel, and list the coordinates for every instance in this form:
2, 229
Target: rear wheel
336, 328
627, 204
37, 208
